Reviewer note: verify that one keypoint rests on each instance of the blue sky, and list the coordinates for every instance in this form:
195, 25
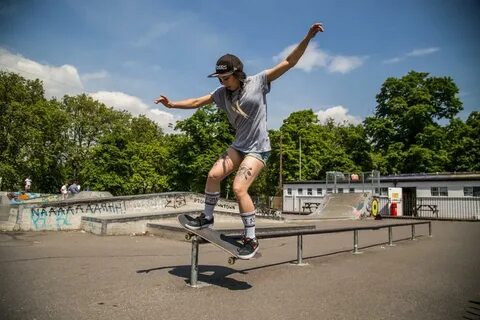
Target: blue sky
126, 53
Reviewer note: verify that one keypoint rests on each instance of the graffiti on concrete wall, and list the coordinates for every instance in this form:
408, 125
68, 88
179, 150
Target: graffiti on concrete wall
20, 196
156, 203
68, 215
175, 201
221, 204
59, 217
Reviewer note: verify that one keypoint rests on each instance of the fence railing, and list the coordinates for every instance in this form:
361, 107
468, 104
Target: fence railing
456, 208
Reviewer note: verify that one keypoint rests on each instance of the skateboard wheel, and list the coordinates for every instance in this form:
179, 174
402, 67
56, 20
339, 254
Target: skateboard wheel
231, 260
188, 237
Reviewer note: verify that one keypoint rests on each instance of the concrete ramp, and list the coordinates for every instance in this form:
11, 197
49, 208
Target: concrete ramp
344, 206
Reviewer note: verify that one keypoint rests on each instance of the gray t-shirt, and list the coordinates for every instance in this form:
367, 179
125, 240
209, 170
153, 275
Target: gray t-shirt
247, 113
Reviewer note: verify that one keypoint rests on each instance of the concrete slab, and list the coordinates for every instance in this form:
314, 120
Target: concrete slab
75, 275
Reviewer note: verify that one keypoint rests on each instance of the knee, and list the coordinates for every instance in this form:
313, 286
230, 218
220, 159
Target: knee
239, 190
214, 175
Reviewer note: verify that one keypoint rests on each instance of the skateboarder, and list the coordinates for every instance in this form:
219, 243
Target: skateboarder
244, 100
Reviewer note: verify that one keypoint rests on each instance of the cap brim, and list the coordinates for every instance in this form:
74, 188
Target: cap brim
216, 75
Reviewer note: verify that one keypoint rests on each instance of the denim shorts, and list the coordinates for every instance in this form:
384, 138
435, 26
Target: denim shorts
262, 155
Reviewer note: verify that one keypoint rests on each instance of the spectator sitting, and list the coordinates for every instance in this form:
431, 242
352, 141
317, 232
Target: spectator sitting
73, 188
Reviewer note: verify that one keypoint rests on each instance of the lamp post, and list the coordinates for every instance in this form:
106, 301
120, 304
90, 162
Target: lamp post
300, 148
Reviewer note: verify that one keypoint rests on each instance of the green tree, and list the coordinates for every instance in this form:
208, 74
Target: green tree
404, 129
31, 140
324, 147
89, 121
129, 158
463, 143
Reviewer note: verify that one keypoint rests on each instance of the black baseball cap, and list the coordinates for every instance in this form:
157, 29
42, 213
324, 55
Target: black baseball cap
226, 65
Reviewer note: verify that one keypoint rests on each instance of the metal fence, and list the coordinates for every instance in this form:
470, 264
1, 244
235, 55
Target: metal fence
456, 208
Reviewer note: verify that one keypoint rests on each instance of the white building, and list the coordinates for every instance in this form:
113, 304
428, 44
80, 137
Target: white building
416, 188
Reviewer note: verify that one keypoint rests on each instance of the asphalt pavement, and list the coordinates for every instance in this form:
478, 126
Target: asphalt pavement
76, 275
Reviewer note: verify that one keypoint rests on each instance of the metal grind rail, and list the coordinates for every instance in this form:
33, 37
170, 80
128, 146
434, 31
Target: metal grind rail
299, 233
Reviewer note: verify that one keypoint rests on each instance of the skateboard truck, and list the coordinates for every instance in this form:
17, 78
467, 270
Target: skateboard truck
189, 236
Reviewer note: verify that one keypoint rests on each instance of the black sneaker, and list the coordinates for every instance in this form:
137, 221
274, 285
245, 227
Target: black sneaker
249, 249
199, 222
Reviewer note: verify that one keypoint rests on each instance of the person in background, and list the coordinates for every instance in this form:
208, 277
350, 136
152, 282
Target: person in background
73, 188
28, 184
64, 191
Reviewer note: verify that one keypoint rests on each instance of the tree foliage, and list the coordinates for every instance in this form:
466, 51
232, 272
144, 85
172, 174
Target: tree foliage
415, 128
404, 131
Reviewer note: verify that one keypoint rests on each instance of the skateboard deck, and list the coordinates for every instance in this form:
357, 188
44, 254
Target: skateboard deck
227, 244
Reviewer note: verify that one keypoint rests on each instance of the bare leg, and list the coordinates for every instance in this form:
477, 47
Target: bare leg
221, 169
246, 174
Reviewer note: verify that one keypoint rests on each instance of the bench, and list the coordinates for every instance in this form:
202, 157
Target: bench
427, 207
310, 206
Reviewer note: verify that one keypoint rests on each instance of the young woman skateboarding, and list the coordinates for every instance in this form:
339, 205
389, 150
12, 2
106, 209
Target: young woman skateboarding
244, 100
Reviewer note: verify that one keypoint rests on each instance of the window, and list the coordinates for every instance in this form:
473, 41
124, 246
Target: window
384, 191
319, 191
340, 190
309, 192
289, 191
329, 190
439, 191
351, 190
444, 191
471, 191
300, 191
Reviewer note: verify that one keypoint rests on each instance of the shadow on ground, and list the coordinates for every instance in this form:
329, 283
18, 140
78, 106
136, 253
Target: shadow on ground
219, 275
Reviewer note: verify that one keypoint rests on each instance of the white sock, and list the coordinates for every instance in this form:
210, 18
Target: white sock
211, 199
248, 219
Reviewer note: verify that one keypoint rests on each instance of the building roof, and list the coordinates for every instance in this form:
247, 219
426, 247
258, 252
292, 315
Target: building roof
440, 176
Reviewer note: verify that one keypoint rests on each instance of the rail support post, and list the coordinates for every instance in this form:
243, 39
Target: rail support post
413, 232
430, 229
194, 283
390, 237
299, 261
355, 242
194, 268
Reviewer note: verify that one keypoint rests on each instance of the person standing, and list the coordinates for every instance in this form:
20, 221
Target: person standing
244, 100
28, 184
64, 191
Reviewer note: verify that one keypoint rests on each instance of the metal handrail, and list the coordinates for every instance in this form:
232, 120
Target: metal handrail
300, 233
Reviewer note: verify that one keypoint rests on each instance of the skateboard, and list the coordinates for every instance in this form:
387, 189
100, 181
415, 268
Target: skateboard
227, 244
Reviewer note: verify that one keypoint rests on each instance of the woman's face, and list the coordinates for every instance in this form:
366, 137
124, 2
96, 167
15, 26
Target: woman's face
230, 82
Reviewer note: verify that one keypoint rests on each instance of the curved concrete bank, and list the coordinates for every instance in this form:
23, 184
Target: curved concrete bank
67, 215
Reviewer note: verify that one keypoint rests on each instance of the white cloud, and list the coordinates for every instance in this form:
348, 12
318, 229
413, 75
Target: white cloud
343, 64
134, 105
316, 58
57, 81
339, 114
102, 74
413, 53
422, 52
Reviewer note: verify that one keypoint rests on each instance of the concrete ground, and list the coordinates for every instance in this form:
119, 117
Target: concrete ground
76, 275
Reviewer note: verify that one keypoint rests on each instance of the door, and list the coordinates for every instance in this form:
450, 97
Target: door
409, 201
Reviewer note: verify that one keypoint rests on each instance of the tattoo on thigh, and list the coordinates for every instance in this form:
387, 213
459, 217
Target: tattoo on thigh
244, 171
